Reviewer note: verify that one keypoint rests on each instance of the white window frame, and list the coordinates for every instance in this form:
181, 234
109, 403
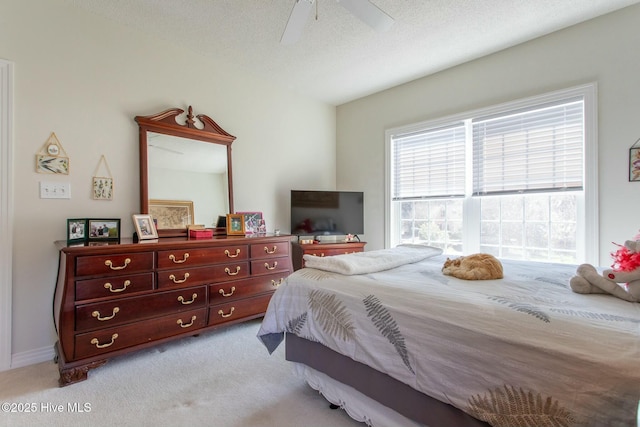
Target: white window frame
587, 237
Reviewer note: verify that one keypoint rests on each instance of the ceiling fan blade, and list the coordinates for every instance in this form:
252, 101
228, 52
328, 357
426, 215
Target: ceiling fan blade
368, 13
297, 21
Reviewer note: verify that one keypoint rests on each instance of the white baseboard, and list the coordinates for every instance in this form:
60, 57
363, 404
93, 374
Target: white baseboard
31, 357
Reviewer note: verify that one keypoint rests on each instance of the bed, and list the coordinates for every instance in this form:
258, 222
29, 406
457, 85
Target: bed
395, 342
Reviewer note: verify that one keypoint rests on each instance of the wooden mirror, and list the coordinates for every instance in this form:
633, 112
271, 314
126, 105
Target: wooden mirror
185, 170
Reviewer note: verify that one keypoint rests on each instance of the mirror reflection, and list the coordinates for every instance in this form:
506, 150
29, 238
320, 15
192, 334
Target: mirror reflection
187, 170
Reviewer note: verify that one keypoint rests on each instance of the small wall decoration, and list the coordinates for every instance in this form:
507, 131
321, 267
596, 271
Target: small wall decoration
634, 162
104, 229
52, 158
76, 231
102, 185
235, 224
252, 221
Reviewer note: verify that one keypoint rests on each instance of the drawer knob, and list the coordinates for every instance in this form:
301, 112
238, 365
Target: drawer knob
186, 325
193, 298
110, 287
174, 280
278, 283
96, 314
269, 267
228, 254
109, 264
221, 313
272, 251
95, 342
221, 292
172, 257
226, 270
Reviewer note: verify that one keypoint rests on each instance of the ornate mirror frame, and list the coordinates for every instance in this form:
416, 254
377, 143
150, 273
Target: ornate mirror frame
166, 123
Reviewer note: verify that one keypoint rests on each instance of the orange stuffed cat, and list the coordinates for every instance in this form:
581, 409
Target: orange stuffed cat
474, 267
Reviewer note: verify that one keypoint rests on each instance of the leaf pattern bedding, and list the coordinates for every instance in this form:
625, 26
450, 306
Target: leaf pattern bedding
520, 351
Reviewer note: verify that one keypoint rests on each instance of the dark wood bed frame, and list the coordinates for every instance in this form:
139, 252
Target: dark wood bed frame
377, 385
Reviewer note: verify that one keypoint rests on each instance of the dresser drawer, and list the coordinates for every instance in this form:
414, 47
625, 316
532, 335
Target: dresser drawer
125, 310
117, 286
203, 275
114, 264
269, 250
220, 293
270, 266
110, 339
246, 307
190, 257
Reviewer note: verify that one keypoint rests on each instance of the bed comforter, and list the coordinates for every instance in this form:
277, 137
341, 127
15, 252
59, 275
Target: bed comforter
520, 351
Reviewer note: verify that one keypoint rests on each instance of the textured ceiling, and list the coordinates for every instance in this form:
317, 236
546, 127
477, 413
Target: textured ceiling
339, 58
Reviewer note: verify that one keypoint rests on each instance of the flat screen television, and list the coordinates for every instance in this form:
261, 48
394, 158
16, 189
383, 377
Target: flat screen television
324, 213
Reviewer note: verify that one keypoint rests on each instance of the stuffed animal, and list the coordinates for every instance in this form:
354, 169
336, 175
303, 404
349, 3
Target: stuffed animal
622, 280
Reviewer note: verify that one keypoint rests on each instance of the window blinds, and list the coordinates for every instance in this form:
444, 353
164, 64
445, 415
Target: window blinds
538, 149
429, 163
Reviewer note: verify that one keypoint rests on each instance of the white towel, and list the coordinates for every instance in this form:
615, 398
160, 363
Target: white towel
371, 261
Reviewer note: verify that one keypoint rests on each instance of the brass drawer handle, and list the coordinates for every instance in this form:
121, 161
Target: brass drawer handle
109, 264
186, 325
221, 292
173, 278
278, 283
228, 254
96, 314
268, 267
320, 255
226, 270
193, 298
110, 287
95, 342
272, 251
221, 313
172, 257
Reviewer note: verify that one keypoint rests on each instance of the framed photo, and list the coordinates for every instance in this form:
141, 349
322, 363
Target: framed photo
634, 164
235, 224
103, 229
76, 231
252, 221
171, 214
145, 227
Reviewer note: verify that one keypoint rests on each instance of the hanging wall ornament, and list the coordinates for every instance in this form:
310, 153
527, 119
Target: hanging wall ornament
634, 161
103, 185
52, 158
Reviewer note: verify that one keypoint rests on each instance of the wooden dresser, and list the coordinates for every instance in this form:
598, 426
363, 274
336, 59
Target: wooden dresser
117, 298
323, 249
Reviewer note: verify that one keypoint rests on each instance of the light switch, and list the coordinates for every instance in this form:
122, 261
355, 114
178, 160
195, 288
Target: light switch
55, 190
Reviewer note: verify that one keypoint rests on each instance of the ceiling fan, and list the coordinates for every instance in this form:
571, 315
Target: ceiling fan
364, 10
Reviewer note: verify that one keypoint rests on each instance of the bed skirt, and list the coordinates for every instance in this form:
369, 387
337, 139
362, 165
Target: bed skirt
376, 385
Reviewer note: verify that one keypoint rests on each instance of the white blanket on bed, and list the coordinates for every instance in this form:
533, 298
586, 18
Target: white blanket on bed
371, 261
493, 348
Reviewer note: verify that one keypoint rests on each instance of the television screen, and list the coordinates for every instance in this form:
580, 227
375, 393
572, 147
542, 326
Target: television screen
317, 213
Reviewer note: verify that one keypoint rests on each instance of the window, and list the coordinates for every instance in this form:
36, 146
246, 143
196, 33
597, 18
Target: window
517, 180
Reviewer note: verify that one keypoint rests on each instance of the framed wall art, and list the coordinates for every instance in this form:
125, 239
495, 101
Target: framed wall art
634, 162
102, 185
103, 229
252, 221
145, 227
52, 158
171, 214
76, 231
235, 224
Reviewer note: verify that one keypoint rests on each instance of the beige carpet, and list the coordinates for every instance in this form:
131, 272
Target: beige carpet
221, 378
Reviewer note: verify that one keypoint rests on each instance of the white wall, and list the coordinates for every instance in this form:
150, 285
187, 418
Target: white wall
86, 78
604, 50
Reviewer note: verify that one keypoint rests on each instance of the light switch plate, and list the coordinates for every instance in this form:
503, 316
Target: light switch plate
55, 190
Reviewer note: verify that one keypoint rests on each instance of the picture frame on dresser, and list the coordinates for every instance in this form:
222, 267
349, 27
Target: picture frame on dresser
145, 226
76, 231
172, 213
103, 229
235, 225
252, 221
